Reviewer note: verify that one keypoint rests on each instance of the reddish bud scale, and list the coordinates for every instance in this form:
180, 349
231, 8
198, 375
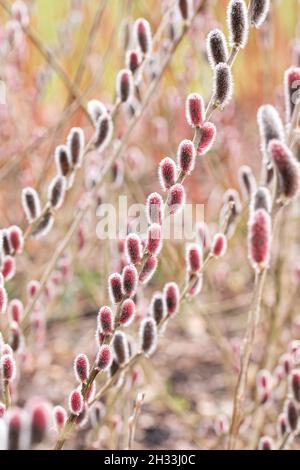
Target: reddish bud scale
3, 300
148, 269
8, 367
287, 167
120, 347
295, 384
129, 280
62, 160
219, 245
127, 313
291, 88
292, 414
195, 110
115, 288
186, 155
104, 358
16, 239
194, 258
103, 132
167, 173
216, 45
81, 368
207, 139
172, 295
31, 204
259, 10
133, 248
158, 307
259, 239
75, 143
39, 423
222, 84
142, 32
60, 417
155, 208
176, 198
105, 320
124, 85
148, 336
154, 240
8, 267
266, 443
238, 23
133, 60
75, 402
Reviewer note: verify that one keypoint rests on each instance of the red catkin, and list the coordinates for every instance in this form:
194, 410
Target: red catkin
186, 155
115, 288
133, 248
129, 280
8, 267
143, 35
127, 313
105, 320
171, 294
8, 367
219, 245
81, 368
124, 85
167, 173
59, 417
154, 208
207, 139
154, 239
75, 402
176, 198
194, 258
259, 239
148, 269
287, 167
148, 336
16, 310
104, 358
16, 239
39, 422
195, 110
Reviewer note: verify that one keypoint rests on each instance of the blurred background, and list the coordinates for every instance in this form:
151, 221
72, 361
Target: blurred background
189, 382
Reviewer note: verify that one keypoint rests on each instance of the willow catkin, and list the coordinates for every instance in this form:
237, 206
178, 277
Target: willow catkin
216, 45
222, 84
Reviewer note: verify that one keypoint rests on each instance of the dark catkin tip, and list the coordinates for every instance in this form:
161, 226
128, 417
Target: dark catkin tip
259, 10
262, 199
56, 191
222, 84
238, 23
217, 50
62, 160
75, 143
103, 132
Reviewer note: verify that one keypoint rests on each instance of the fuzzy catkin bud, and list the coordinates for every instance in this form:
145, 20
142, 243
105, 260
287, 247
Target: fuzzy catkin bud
81, 368
8, 367
238, 23
105, 320
203, 235
292, 414
148, 336
104, 358
171, 295
115, 288
247, 181
207, 139
266, 443
186, 155
195, 110
133, 248
143, 35
282, 425
148, 269
129, 280
259, 239
219, 245
270, 126
154, 239
222, 84
287, 167
44, 226
31, 204
158, 307
155, 208
291, 89
3, 300
167, 173
262, 199
96, 109
39, 423
120, 348
75, 402
16, 239
176, 198
194, 258
127, 313
185, 8
259, 10
124, 85
103, 132
133, 60
8, 267
56, 191
295, 384
14, 423
16, 310
62, 159
216, 45
59, 417
75, 143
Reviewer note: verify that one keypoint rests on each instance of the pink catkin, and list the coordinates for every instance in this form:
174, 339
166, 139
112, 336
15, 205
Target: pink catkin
195, 110
8, 367
259, 239
104, 358
105, 320
129, 280
167, 173
16, 310
115, 288
287, 167
208, 136
133, 248
148, 269
81, 368
75, 402
194, 258
176, 198
59, 416
154, 241
219, 245
16, 239
39, 423
8, 267
155, 208
127, 313
171, 293
186, 155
